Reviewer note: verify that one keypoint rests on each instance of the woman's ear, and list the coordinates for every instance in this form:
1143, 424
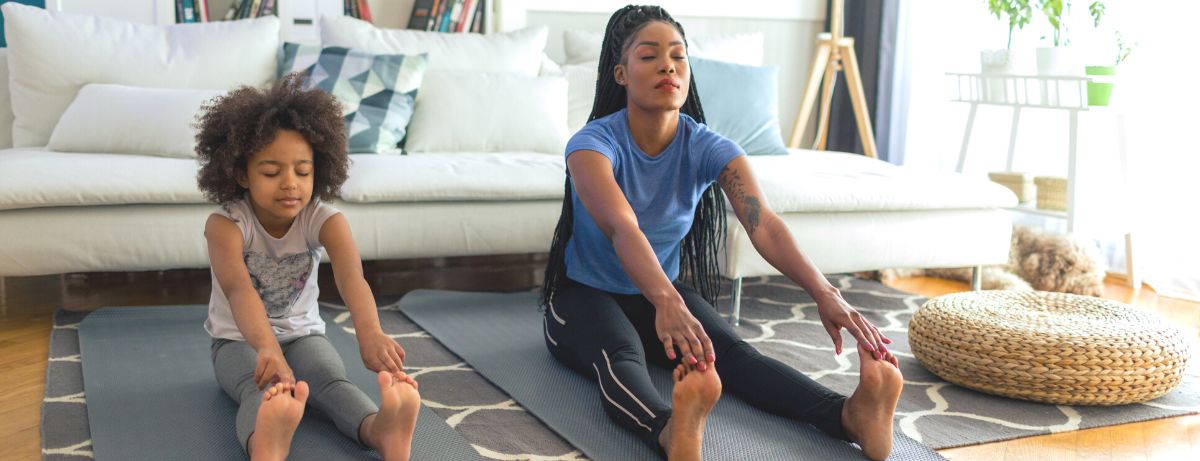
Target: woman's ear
619, 74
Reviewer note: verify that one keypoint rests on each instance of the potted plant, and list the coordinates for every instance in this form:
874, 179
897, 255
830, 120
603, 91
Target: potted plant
1099, 89
1017, 13
1057, 60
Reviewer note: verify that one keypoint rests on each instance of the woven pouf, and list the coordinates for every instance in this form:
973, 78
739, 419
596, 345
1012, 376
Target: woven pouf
1049, 347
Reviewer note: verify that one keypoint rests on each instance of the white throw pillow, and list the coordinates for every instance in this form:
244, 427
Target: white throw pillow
489, 112
518, 51
581, 93
6, 115
745, 49
131, 120
52, 55
580, 47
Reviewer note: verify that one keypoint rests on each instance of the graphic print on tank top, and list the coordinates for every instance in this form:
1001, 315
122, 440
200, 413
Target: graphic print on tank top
279, 282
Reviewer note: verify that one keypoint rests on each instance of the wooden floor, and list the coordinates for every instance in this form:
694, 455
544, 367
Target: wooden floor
27, 303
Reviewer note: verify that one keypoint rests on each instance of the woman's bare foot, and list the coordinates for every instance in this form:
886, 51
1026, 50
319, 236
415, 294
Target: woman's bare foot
278, 415
390, 431
867, 414
693, 397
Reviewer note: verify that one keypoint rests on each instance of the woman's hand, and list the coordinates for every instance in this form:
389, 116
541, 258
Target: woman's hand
380, 352
836, 314
676, 327
270, 367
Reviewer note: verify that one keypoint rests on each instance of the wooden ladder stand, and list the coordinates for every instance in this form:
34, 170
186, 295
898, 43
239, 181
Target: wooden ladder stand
834, 53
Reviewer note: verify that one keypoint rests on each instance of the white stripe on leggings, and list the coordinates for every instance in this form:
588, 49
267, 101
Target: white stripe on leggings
600, 381
546, 325
615, 380
555, 314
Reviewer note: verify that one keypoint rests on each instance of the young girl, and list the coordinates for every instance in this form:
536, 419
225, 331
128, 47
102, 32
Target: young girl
642, 213
270, 157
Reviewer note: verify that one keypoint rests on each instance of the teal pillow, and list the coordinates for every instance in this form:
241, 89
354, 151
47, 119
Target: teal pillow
740, 103
377, 92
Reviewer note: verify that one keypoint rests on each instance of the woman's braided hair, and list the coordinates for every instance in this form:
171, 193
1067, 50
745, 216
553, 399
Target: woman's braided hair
698, 255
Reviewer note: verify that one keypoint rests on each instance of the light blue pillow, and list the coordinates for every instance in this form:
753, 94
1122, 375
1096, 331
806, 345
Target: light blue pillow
740, 103
377, 92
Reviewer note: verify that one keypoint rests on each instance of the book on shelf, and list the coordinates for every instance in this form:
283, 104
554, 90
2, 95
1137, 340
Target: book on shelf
421, 13
477, 21
189, 11
447, 15
357, 9
240, 9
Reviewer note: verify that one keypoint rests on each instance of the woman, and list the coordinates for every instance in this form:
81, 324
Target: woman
641, 208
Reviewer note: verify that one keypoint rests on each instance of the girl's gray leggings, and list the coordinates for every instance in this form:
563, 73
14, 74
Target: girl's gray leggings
314, 361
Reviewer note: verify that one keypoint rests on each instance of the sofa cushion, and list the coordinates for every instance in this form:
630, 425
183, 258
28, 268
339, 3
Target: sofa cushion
489, 112
35, 177
518, 51
52, 55
454, 177
377, 91
801, 182
808, 181
120, 119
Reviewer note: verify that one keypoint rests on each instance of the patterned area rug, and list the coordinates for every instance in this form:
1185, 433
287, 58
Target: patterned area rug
778, 318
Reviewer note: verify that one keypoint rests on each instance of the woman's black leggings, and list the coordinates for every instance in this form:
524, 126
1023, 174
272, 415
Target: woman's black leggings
609, 337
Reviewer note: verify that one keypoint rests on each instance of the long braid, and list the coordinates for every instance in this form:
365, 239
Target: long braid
700, 248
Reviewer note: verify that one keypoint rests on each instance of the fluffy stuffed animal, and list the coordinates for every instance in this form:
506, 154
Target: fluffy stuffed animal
1038, 261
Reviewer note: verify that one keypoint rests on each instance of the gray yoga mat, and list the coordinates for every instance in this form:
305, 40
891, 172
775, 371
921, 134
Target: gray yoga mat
151, 394
500, 335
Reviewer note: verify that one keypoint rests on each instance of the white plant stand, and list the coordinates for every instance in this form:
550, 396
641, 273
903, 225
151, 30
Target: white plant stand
1068, 93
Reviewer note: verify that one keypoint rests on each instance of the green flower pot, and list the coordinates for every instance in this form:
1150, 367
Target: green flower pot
1098, 92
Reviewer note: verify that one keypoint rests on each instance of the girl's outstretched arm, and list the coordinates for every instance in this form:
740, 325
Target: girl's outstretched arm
225, 255
379, 351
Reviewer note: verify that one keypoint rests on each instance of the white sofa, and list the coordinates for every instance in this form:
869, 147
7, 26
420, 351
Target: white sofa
91, 211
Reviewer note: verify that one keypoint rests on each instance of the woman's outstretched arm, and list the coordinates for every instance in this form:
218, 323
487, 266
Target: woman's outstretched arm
775, 243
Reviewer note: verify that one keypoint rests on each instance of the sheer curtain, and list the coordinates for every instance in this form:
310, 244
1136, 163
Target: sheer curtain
1157, 95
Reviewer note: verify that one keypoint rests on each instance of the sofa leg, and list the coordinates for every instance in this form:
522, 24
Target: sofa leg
977, 278
736, 316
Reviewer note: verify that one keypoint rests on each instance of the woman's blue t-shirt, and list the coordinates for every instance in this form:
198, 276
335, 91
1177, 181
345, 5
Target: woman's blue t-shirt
663, 191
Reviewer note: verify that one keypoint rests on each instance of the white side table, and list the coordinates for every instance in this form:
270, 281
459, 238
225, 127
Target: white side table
1068, 93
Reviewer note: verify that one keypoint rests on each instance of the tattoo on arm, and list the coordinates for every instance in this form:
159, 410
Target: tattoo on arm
731, 181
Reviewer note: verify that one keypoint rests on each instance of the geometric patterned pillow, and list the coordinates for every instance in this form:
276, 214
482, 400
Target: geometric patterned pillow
377, 92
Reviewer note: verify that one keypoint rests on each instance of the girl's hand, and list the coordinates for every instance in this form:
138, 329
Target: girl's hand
836, 314
380, 352
270, 368
676, 327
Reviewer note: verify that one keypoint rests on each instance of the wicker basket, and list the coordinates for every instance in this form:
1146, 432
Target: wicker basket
1051, 193
1049, 347
1020, 183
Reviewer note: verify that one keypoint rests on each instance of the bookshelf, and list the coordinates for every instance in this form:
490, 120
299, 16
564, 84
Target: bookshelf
298, 18
454, 16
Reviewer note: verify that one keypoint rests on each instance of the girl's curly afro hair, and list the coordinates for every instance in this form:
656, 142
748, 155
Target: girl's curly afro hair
231, 128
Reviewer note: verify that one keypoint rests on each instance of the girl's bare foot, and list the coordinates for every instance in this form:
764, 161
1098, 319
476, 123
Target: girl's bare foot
278, 415
390, 431
694, 395
867, 414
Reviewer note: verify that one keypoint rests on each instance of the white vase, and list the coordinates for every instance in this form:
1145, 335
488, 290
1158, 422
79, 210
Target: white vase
995, 61
995, 65
1059, 61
